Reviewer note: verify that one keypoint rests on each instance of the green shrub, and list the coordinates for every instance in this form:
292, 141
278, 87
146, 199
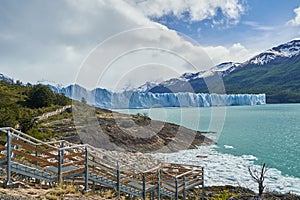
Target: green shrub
224, 195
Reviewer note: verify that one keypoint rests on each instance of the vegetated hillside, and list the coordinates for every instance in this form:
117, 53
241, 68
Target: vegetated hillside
279, 79
275, 72
20, 104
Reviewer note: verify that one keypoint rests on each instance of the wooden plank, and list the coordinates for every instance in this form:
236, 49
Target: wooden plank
154, 181
73, 171
194, 184
2, 148
184, 174
167, 177
50, 156
79, 162
152, 170
168, 188
152, 175
104, 162
139, 186
2, 155
32, 148
108, 174
125, 181
33, 158
80, 154
103, 169
170, 184
101, 165
193, 181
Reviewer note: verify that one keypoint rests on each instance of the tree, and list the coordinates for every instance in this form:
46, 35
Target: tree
61, 100
41, 96
259, 177
8, 115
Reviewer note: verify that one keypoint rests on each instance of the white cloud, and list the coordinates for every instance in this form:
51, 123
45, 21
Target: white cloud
50, 39
197, 10
258, 26
234, 53
119, 58
296, 20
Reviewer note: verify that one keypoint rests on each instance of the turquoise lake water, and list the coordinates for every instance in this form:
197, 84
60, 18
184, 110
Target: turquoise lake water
271, 133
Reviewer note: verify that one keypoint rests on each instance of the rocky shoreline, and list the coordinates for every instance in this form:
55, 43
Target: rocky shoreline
122, 132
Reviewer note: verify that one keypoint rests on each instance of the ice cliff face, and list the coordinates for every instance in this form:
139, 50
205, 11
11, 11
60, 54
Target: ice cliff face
148, 100
105, 99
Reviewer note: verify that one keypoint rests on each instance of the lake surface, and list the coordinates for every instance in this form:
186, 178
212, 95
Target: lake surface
262, 134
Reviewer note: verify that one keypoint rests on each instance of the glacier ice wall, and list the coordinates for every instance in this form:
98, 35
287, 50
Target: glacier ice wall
148, 100
105, 99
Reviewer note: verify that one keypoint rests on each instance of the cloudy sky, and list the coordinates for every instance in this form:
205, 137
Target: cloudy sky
123, 43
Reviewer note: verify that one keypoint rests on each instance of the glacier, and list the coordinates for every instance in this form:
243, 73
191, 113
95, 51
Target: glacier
103, 98
149, 100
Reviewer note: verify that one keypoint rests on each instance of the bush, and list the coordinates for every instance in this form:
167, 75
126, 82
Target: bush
224, 195
8, 116
61, 100
41, 96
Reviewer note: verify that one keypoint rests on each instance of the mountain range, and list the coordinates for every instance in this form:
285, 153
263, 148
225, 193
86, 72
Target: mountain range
275, 72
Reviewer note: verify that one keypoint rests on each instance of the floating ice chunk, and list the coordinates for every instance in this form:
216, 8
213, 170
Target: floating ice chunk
226, 169
228, 147
249, 157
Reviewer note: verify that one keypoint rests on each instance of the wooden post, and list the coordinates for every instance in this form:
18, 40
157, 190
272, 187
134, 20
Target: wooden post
8, 158
176, 188
144, 186
59, 167
118, 180
86, 180
158, 184
203, 192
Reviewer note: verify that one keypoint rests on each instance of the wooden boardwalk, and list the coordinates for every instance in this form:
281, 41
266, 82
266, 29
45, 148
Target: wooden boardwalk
59, 161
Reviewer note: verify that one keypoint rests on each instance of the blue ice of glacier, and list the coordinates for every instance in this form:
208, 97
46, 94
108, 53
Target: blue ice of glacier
111, 100
148, 100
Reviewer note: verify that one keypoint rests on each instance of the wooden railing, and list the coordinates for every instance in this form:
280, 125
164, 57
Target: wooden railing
57, 161
178, 179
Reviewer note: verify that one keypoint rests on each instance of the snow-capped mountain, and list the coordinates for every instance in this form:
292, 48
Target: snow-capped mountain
275, 72
225, 68
191, 76
187, 81
287, 50
145, 87
6, 79
276, 55
51, 84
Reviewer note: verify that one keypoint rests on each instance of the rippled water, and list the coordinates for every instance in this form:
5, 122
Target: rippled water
260, 134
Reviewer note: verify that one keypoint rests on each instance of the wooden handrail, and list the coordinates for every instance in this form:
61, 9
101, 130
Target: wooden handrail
32, 148
33, 158
186, 173
28, 136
